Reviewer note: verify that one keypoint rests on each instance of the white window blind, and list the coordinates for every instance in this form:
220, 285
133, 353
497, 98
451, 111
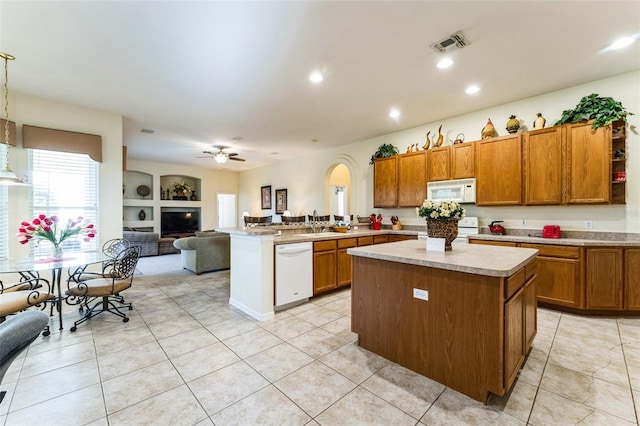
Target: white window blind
4, 210
64, 184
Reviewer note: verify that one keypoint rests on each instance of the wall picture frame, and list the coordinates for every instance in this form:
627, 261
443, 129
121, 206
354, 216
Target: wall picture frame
281, 201
265, 197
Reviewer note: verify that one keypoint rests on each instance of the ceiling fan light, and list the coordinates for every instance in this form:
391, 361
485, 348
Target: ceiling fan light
221, 157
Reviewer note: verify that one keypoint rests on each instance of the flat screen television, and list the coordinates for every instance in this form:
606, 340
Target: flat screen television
179, 222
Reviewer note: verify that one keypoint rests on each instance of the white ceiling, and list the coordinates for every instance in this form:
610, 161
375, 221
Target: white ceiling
201, 73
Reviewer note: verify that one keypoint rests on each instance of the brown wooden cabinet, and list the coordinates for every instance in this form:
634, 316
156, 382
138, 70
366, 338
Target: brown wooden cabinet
365, 241
632, 278
399, 237
324, 266
604, 278
514, 348
412, 180
542, 155
499, 171
380, 239
451, 162
463, 160
560, 279
438, 164
385, 182
588, 166
343, 271
520, 318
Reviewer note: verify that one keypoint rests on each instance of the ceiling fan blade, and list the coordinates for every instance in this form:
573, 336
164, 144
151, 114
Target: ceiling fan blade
237, 159
209, 152
232, 154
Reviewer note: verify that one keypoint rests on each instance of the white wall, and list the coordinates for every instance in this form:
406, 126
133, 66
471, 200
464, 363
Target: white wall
43, 113
305, 177
213, 182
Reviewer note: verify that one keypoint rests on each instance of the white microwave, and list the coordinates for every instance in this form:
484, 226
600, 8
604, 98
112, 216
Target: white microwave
460, 190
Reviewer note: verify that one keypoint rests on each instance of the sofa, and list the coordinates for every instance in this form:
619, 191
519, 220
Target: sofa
151, 243
207, 251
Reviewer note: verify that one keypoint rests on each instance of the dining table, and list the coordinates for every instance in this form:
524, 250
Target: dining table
72, 262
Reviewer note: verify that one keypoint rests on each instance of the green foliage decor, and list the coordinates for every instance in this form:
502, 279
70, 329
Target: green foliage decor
602, 110
384, 150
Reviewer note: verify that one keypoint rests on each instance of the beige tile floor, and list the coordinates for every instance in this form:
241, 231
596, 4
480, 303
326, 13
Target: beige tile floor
187, 358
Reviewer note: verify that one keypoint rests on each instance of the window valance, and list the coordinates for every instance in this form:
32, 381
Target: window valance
12, 132
62, 140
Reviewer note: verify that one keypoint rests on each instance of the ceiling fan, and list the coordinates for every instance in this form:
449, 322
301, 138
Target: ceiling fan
221, 156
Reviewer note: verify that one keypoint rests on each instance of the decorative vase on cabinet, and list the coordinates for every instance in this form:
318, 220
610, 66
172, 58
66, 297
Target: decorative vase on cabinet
142, 215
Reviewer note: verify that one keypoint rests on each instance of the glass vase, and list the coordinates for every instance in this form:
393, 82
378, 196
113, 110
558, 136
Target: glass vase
57, 252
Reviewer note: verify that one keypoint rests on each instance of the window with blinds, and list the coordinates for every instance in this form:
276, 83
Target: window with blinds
4, 210
64, 184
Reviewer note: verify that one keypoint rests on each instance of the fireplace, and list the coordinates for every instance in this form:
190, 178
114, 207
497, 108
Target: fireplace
179, 222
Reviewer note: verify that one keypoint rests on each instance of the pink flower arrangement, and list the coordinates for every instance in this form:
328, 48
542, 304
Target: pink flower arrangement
48, 228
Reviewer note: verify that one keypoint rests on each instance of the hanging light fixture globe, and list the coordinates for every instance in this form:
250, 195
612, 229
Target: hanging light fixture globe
7, 176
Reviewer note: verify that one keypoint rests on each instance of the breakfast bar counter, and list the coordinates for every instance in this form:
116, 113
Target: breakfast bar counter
465, 318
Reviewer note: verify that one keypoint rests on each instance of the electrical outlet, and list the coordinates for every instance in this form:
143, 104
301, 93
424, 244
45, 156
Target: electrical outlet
524, 222
588, 224
420, 294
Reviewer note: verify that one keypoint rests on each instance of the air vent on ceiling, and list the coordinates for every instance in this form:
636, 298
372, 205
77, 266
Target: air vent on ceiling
147, 131
456, 40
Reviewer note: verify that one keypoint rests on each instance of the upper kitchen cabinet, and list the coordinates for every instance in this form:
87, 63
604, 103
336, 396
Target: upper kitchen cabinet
499, 171
439, 164
412, 183
451, 162
542, 165
463, 160
385, 182
589, 164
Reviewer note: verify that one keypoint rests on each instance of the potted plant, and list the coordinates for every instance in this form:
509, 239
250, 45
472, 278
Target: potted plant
384, 150
602, 110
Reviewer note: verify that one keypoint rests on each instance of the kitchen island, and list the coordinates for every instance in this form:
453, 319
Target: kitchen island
465, 318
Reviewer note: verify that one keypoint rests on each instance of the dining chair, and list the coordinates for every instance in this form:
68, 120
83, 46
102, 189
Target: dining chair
106, 290
16, 335
17, 297
112, 250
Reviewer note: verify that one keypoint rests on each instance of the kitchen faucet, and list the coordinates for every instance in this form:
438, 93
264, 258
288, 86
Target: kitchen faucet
313, 222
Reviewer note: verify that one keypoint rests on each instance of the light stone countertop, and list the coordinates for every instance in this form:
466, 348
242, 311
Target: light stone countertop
628, 240
493, 261
289, 238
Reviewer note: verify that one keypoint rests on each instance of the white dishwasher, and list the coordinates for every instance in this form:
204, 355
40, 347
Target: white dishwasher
294, 272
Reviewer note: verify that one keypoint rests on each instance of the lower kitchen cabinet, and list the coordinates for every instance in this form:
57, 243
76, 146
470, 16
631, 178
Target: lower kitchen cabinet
324, 266
380, 239
398, 237
560, 280
604, 278
632, 278
343, 271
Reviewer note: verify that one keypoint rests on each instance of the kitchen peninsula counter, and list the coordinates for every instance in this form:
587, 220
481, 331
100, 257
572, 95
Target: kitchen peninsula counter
465, 318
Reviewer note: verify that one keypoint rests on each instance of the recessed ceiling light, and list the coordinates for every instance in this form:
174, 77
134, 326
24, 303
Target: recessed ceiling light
316, 77
394, 113
444, 63
623, 42
472, 89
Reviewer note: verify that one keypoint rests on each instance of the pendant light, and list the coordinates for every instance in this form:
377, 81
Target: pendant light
7, 176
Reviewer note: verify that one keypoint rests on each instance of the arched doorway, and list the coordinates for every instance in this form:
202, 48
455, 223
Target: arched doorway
340, 187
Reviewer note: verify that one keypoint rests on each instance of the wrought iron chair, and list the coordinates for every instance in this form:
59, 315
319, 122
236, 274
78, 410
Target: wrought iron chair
341, 218
118, 277
17, 297
112, 250
16, 335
